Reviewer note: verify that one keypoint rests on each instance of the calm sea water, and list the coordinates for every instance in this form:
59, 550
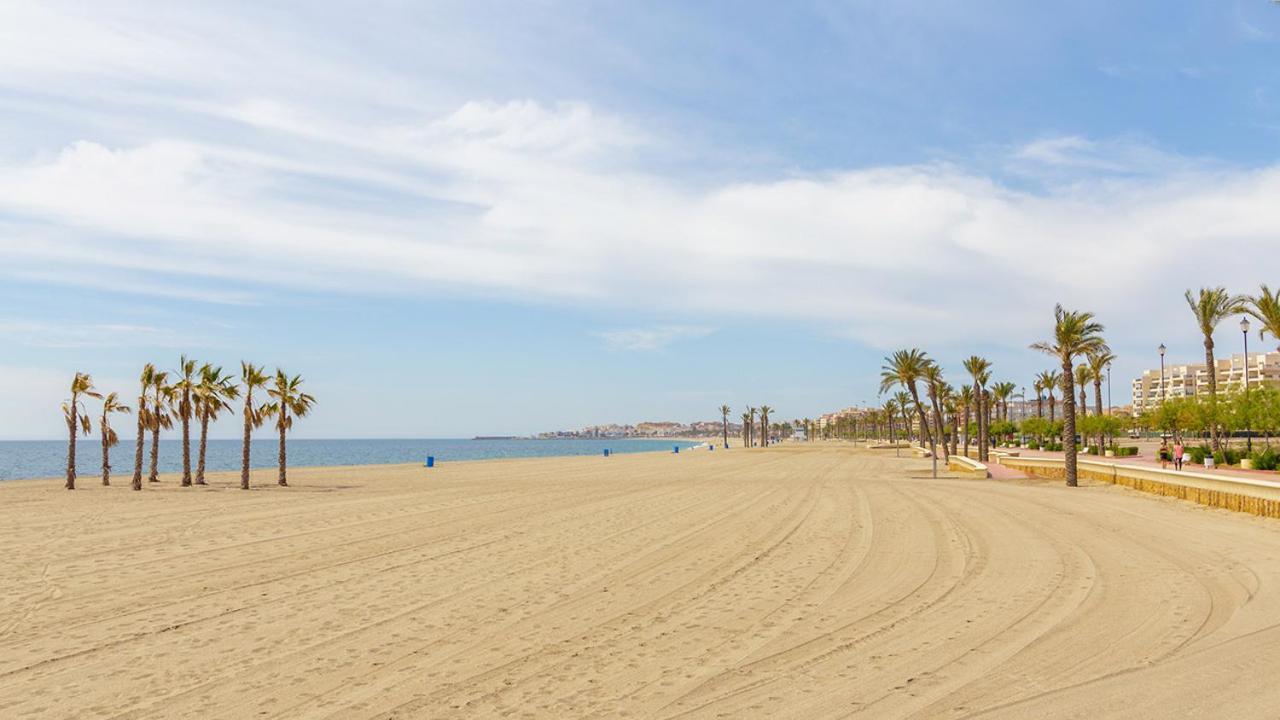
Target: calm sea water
48, 458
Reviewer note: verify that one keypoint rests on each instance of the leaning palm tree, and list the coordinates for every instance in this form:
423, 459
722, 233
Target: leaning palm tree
251, 378
724, 424
288, 402
965, 400
764, 424
162, 402
906, 368
1049, 380
932, 376
1083, 377
1210, 307
77, 420
144, 422
979, 369
212, 395
1099, 360
184, 385
1265, 306
1074, 334
110, 404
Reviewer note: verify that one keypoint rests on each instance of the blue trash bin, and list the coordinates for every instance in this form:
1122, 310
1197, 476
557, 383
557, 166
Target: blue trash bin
431, 461
675, 449
606, 452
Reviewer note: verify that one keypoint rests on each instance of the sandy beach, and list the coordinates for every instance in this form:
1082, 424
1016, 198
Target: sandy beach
798, 581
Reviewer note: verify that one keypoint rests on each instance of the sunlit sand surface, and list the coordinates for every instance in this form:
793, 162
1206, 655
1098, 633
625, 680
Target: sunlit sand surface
801, 582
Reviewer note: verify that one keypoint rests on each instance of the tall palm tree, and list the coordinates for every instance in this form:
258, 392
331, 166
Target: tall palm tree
144, 421
77, 420
979, 369
1099, 360
965, 398
1082, 379
746, 429
212, 395
906, 368
1265, 306
1049, 380
1003, 393
161, 416
251, 378
950, 404
1210, 307
764, 424
1074, 334
724, 423
751, 426
183, 386
932, 376
288, 402
111, 404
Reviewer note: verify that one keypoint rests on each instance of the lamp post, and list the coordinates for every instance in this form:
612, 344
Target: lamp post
1162, 349
1108, 388
1248, 433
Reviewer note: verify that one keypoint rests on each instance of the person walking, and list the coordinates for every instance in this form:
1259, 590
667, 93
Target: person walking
1177, 454
1164, 453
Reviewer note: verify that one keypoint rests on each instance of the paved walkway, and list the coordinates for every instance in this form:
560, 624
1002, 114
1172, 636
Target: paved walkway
1147, 461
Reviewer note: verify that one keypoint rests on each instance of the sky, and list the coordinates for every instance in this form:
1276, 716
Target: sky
462, 218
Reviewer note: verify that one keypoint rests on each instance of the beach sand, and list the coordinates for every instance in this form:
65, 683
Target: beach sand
800, 582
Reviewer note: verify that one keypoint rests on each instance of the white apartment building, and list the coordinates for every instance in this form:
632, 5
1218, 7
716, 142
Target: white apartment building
1193, 379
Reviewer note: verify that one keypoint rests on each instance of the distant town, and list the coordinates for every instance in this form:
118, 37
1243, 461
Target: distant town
657, 429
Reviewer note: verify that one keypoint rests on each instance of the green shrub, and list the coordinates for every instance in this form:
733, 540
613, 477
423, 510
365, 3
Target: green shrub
1266, 459
1197, 453
1127, 451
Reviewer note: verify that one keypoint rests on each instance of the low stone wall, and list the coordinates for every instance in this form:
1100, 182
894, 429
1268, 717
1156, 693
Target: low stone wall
1256, 497
967, 466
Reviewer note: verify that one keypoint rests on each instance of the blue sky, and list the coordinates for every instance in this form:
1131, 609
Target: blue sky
464, 218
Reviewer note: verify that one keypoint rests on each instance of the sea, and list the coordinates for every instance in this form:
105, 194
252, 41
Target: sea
48, 458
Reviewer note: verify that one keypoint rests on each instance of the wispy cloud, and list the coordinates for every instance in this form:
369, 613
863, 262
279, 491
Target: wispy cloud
652, 338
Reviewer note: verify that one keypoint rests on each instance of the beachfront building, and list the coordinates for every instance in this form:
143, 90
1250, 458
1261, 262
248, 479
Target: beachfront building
1192, 379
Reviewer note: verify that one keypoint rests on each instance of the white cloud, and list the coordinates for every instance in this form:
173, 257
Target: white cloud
652, 338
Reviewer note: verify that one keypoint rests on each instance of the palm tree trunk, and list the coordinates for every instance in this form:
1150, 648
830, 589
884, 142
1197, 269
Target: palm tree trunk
1040, 406
1097, 407
724, 420
980, 401
1052, 403
937, 423
71, 448
204, 442
1069, 423
282, 480
1213, 392
244, 448
965, 421
138, 444
154, 476
106, 450
186, 438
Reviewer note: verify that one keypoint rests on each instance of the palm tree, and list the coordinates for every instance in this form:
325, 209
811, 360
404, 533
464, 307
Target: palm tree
147, 379
251, 378
966, 401
891, 415
161, 417
1082, 379
77, 420
905, 368
751, 426
186, 383
746, 429
1099, 360
1074, 333
932, 376
288, 402
1266, 308
1210, 307
764, 424
1003, 392
724, 423
109, 438
211, 395
903, 399
1049, 380
979, 369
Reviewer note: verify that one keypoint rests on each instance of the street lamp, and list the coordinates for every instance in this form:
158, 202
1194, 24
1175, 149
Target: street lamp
1248, 433
1162, 349
1108, 388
